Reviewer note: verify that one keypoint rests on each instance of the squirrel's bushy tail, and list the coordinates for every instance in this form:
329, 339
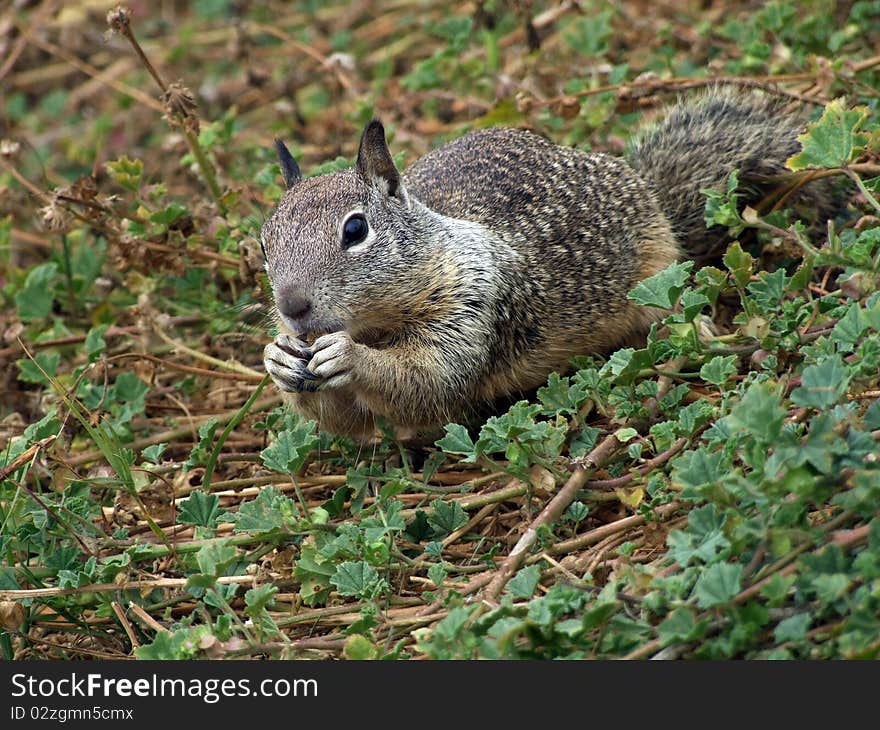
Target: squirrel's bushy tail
699, 143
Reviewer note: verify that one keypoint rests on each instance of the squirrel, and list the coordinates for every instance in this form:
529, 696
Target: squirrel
429, 295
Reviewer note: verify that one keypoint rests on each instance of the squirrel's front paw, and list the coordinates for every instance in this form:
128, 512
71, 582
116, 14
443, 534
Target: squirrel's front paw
286, 361
333, 359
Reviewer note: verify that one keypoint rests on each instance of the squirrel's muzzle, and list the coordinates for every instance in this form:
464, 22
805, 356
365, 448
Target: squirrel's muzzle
295, 308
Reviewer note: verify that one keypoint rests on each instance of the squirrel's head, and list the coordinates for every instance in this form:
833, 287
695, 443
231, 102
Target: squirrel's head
333, 247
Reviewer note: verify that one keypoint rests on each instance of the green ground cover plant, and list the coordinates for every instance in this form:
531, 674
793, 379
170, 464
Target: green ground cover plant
711, 494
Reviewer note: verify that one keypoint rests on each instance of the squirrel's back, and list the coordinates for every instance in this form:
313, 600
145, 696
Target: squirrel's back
586, 228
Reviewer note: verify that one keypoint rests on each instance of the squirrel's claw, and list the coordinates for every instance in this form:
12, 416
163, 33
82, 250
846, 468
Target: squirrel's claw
333, 359
293, 346
287, 366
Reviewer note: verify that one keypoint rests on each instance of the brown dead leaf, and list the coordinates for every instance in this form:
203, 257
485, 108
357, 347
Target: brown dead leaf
157, 499
11, 615
655, 534
542, 480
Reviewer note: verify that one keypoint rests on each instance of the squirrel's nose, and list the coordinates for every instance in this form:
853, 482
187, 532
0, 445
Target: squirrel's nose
294, 306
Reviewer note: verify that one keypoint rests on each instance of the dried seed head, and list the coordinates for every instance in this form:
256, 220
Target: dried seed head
180, 107
119, 20
524, 102
55, 216
9, 148
568, 107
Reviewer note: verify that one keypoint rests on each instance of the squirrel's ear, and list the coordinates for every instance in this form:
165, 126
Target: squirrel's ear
374, 160
289, 168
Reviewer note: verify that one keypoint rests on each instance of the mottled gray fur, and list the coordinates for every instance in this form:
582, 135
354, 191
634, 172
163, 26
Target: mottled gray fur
698, 144
489, 263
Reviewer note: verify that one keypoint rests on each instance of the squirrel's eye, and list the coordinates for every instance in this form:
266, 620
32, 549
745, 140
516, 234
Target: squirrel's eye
354, 230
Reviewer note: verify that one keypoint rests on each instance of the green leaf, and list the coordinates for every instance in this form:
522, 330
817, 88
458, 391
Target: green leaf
739, 263
34, 299
32, 372
577, 511
524, 583
722, 207
48, 425
830, 587
181, 644
692, 303
822, 384
719, 369
214, 557
356, 578
849, 328
129, 388
834, 140
419, 529
199, 453
872, 416
680, 626
336, 504
718, 584
711, 282
446, 517
291, 448
699, 468
759, 412
437, 574
520, 436
691, 417
359, 648
704, 539
457, 441
776, 588
5, 232
768, 291
662, 289
257, 599
153, 453
168, 215
801, 278
626, 364
200, 509
793, 628
385, 523
126, 172
584, 442
95, 343
269, 511
561, 396
862, 248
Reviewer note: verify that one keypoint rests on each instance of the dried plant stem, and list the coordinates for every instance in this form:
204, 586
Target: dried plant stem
600, 533
192, 139
146, 585
252, 375
186, 368
236, 419
549, 515
172, 434
125, 623
34, 190
96, 73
